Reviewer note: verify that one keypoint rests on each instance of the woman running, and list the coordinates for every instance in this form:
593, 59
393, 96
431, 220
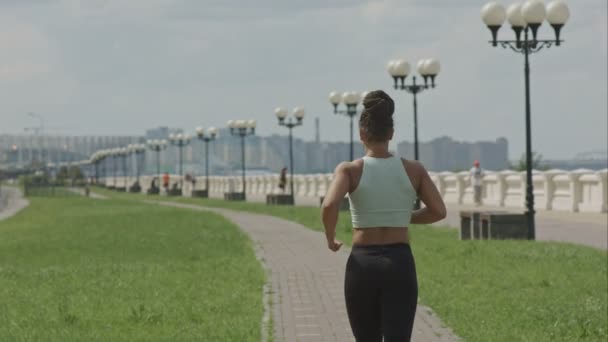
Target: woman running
381, 288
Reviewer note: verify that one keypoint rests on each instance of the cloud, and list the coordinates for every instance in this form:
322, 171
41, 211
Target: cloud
188, 62
27, 2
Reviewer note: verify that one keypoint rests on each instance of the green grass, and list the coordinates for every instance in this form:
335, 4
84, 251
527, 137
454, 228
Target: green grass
307, 216
490, 290
74, 269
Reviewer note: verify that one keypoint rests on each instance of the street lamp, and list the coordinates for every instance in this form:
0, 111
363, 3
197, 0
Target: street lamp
51, 167
527, 17
106, 154
96, 159
124, 153
137, 150
351, 99
242, 128
115, 153
180, 140
206, 138
157, 145
399, 70
281, 114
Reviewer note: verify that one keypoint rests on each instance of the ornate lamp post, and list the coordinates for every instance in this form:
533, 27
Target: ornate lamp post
400, 69
351, 99
52, 172
281, 114
96, 159
105, 154
138, 151
123, 153
242, 128
526, 18
206, 138
115, 153
157, 146
180, 140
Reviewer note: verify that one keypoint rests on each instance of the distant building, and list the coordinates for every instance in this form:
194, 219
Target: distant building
263, 154
22, 150
446, 154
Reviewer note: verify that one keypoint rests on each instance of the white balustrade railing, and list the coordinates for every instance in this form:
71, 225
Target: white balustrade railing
573, 191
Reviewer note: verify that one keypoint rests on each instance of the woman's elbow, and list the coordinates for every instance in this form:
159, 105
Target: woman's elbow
436, 212
440, 213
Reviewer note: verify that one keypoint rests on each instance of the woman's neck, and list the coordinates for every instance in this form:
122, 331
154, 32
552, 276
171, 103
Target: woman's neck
378, 151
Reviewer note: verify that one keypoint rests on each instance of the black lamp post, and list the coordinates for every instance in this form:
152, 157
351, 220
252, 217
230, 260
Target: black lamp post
206, 138
527, 18
428, 69
242, 128
351, 99
180, 140
115, 155
298, 113
96, 160
399, 70
138, 151
105, 159
51, 170
157, 146
124, 153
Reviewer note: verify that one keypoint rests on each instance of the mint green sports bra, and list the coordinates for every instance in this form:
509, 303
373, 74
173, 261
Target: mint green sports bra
384, 197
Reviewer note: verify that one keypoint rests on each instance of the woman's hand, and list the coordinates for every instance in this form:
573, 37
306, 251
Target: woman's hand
334, 245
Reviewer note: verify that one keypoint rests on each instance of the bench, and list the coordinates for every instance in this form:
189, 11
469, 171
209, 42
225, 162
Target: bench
503, 225
234, 196
153, 191
498, 225
279, 199
200, 193
174, 192
135, 188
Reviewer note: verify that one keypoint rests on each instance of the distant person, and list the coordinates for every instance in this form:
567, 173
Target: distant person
166, 181
283, 179
380, 286
477, 182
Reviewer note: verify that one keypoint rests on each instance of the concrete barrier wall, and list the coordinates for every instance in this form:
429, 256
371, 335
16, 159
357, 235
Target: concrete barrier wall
572, 191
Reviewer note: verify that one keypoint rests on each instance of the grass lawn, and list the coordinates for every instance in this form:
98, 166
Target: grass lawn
490, 290
76, 269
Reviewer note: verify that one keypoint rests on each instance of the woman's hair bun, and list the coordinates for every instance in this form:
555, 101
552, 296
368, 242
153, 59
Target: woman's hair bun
377, 116
378, 102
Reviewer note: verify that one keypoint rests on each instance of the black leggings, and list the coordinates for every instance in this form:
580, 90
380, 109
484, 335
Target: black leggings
381, 292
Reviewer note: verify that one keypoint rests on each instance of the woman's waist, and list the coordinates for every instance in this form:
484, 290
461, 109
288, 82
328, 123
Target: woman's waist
380, 218
380, 236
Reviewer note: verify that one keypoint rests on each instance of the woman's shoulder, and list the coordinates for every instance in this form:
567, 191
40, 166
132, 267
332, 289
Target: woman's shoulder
350, 165
413, 165
415, 171
351, 168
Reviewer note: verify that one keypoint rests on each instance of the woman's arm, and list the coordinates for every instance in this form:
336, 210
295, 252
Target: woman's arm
331, 204
434, 209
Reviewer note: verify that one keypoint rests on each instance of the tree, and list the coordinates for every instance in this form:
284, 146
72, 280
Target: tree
537, 163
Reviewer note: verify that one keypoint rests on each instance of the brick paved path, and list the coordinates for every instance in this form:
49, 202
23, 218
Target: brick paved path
307, 281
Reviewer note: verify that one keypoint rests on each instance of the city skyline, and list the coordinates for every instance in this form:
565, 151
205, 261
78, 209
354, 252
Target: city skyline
404, 148
186, 64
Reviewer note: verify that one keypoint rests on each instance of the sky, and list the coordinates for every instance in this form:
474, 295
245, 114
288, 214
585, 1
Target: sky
117, 67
